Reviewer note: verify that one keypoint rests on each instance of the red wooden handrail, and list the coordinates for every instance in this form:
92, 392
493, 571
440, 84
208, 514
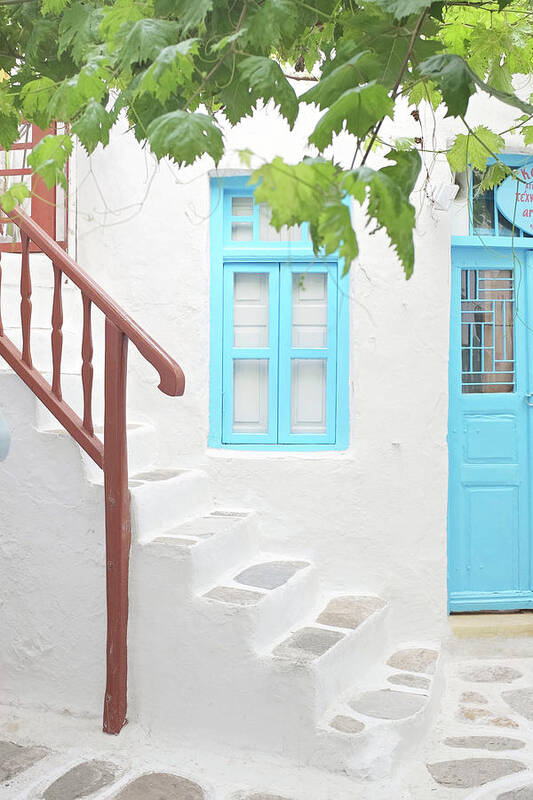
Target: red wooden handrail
111, 454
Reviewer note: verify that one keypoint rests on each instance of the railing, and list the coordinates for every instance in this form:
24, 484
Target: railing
111, 454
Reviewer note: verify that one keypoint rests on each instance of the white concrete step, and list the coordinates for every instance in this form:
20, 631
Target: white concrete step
194, 554
162, 499
345, 640
264, 600
369, 731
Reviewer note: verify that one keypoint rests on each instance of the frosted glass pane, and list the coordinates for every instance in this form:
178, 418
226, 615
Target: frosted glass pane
250, 395
267, 233
242, 231
309, 309
250, 309
242, 206
308, 395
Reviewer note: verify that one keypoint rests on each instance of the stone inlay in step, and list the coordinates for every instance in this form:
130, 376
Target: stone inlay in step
307, 644
469, 772
412, 681
494, 743
81, 781
349, 611
491, 674
161, 786
523, 793
208, 525
472, 697
271, 574
521, 701
263, 796
15, 758
157, 475
414, 659
346, 724
388, 704
234, 596
178, 541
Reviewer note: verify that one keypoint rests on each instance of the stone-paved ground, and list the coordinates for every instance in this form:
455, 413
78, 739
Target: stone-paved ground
481, 747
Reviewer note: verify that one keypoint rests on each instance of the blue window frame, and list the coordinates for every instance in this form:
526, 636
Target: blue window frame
279, 332
484, 217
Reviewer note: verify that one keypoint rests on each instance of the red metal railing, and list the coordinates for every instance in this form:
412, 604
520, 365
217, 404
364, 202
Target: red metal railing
111, 454
44, 202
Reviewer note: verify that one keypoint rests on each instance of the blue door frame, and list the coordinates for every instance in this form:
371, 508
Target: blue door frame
490, 433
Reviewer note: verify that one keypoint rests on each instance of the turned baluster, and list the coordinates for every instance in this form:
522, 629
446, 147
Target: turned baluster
25, 301
57, 333
87, 367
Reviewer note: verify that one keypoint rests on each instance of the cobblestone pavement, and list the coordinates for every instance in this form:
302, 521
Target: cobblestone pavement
480, 748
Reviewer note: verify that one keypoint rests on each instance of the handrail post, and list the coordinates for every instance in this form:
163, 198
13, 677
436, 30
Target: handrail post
118, 527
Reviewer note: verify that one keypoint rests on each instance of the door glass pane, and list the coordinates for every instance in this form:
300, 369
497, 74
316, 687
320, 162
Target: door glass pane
250, 309
309, 309
250, 395
242, 206
482, 205
267, 232
308, 395
242, 231
487, 331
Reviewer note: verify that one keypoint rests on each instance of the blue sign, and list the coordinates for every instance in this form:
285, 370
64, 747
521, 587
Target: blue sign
514, 198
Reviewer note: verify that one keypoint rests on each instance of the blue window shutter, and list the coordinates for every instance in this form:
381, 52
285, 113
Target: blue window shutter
288, 354
269, 354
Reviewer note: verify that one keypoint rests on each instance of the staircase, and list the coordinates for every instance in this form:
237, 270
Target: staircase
228, 644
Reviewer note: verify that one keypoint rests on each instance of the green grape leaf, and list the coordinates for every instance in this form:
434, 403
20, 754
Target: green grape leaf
36, 96
184, 137
527, 133
145, 40
189, 13
453, 78
357, 109
14, 196
78, 30
265, 79
361, 68
403, 8
388, 190
172, 67
494, 175
53, 6
474, 150
48, 159
9, 119
93, 125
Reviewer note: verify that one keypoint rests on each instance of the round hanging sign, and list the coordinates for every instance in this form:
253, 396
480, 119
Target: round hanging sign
514, 198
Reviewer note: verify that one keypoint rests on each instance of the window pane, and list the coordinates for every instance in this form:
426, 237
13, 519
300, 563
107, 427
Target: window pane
267, 233
308, 395
242, 231
487, 331
309, 309
250, 395
250, 309
483, 205
242, 206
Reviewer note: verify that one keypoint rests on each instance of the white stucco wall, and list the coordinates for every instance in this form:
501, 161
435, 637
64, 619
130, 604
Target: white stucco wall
372, 518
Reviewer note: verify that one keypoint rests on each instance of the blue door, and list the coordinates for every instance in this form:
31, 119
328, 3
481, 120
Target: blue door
490, 434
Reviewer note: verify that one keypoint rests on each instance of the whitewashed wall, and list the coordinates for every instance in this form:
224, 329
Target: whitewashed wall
372, 518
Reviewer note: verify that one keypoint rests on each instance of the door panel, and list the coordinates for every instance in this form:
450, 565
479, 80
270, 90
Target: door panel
489, 537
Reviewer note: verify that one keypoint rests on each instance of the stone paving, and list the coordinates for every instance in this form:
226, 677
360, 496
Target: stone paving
481, 747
